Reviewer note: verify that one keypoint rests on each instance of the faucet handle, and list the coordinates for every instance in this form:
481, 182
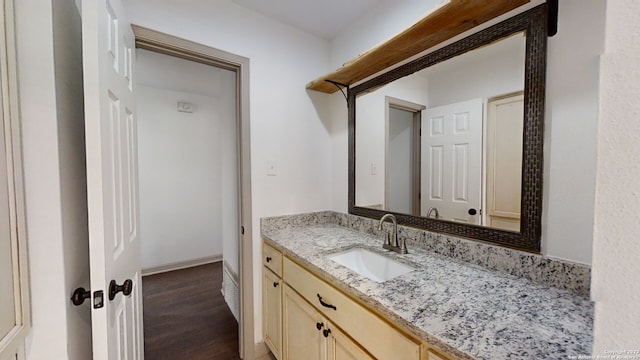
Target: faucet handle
402, 242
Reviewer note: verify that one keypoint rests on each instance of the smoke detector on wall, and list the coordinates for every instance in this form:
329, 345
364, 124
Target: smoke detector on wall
185, 107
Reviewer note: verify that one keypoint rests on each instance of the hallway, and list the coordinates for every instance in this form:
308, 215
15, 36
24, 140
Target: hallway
185, 316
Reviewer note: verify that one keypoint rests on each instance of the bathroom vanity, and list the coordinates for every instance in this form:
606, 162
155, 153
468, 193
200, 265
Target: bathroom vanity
315, 308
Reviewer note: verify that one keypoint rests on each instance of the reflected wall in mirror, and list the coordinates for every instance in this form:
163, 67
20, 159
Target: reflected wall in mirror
452, 141
446, 142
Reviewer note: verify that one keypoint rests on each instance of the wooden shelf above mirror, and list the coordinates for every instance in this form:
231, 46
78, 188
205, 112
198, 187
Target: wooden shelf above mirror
443, 23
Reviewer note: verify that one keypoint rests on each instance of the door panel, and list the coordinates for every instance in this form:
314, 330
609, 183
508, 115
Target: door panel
7, 294
341, 347
301, 337
272, 312
451, 179
505, 126
112, 179
14, 279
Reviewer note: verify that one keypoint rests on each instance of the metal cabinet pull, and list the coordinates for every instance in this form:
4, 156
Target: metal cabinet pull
268, 258
325, 304
326, 332
275, 284
319, 325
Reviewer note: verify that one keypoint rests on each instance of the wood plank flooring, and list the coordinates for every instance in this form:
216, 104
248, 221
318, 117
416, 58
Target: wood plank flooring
185, 316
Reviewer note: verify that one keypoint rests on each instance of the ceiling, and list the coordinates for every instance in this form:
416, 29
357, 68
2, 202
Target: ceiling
323, 18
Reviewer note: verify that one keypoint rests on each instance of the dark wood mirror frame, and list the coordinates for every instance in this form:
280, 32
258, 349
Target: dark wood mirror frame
534, 23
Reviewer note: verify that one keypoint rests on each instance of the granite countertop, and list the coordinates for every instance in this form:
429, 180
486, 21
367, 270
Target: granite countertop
466, 310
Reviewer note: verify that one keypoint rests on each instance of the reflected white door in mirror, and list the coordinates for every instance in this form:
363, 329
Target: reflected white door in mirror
504, 163
452, 153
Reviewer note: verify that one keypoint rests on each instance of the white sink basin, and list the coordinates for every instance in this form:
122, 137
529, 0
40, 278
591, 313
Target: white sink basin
370, 264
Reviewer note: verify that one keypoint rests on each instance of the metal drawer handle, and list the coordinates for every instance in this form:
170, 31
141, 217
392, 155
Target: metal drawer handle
326, 332
268, 258
319, 325
275, 284
325, 304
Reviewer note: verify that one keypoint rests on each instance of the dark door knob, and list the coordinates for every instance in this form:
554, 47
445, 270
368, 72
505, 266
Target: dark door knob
79, 295
473, 211
114, 288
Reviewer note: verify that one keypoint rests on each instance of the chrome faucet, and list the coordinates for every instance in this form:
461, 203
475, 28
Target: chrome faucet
391, 239
433, 210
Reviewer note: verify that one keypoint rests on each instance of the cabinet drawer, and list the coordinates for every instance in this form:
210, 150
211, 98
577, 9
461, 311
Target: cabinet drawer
373, 333
272, 259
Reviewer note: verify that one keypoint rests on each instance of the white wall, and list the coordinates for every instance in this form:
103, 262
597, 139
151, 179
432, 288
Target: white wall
570, 122
53, 142
570, 130
187, 169
180, 179
615, 285
285, 125
487, 72
377, 26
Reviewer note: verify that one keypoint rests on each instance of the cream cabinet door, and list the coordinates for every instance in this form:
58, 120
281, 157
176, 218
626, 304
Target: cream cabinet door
302, 329
341, 347
272, 308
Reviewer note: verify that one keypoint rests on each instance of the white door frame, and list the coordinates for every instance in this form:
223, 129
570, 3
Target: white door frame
416, 109
12, 344
173, 46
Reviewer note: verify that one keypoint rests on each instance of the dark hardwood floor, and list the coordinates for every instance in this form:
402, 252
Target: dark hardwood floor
185, 316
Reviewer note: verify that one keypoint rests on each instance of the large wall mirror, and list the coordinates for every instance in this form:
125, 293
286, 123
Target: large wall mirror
452, 141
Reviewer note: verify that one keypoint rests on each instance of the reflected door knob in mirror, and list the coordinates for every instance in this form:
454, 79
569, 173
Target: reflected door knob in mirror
472, 211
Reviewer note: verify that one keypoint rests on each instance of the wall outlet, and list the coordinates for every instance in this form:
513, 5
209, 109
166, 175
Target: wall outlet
272, 168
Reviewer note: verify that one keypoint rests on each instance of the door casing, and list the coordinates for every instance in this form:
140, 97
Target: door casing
152, 40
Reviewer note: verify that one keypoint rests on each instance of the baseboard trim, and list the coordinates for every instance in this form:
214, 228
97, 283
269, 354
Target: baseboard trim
181, 265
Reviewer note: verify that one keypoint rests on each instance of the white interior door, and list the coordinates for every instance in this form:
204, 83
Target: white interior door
112, 179
452, 161
505, 126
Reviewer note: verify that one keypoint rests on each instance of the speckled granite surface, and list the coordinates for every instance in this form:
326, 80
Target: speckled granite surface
560, 274
467, 310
